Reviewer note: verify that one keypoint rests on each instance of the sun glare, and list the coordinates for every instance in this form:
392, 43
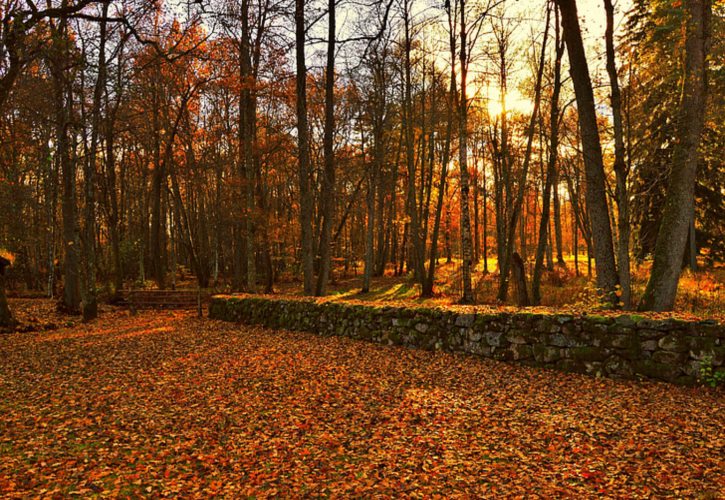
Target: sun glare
515, 102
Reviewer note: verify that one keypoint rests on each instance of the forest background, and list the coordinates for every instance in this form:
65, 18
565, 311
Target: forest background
453, 151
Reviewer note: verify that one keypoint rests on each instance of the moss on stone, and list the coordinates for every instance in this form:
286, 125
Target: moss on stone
588, 353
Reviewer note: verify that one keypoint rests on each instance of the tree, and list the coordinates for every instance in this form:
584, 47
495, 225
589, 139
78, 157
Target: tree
551, 170
417, 244
466, 246
621, 169
328, 182
90, 304
59, 62
6, 317
661, 288
303, 152
451, 98
596, 197
506, 266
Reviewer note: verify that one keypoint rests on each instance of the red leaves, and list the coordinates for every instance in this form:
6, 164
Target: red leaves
168, 405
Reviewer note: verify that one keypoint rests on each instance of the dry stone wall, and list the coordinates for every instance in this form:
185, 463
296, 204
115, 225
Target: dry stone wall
625, 346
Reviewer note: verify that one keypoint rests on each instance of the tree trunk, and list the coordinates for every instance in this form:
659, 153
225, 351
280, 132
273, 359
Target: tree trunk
661, 288
519, 272
596, 197
248, 114
427, 289
113, 212
430, 278
158, 182
90, 304
518, 202
6, 317
485, 225
466, 247
544, 225
557, 222
328, 181
63, 102
620, 166
303, 145
416, 255
369, 231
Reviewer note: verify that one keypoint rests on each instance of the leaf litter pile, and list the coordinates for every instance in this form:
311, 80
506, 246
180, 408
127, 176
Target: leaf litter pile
165, 404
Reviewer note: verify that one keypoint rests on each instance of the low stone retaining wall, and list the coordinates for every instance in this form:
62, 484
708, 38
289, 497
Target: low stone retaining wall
620, 347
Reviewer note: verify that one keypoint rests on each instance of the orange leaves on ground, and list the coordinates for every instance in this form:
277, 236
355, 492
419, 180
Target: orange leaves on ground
165, 404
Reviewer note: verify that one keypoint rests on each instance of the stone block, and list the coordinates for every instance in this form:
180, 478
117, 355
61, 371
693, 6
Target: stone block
521, 351
653, 369
618, 367
676, 343
546, 354
588, 353
493, 338
560, 340
465, 320
625, 321
517, 337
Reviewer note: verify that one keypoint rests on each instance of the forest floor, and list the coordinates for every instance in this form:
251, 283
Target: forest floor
167, 404
700, 294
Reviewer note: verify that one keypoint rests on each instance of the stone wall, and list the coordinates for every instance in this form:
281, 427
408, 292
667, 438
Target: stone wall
622, 347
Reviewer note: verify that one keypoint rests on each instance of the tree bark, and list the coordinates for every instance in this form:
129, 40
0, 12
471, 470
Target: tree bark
248, 114
417, 255
427, 290
328, 180
90, 304
557, 222
620, 166
661, 288
596, 197
158, 182
466, 247
372, 177
63, 102
519, 272
518, 201
303, 144
6, 317
544, 225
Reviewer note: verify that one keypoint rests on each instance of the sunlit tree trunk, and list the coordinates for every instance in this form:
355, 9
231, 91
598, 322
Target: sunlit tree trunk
518, 201
466, 247
485, 224
557, 221
427, 289
430, 278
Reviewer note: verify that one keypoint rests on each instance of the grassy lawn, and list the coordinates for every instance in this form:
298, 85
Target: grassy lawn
165, 404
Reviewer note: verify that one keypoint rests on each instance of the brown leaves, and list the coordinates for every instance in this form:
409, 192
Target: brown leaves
164, 404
